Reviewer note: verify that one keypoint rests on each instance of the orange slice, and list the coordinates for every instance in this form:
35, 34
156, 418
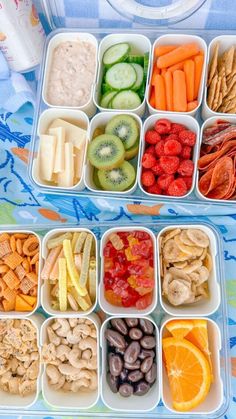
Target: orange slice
179, 328
199, 337
188, 373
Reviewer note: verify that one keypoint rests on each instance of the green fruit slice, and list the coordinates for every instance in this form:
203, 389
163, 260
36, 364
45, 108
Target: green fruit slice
119, 179
132, 152
121, 76
106, 152
95, 179
125, 127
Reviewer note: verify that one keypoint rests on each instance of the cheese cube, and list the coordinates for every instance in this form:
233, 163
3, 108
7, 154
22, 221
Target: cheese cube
47, 150
59, 164
74, 134
66, 178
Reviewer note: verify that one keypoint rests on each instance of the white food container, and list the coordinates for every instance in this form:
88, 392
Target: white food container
115, 401
47, 117
19, 314
191, 124
101, 119
204, 307
225, 42
206, 124
126, 311
214, 399
56, 40
179, 39
15, 401
69, 400
46, 287
139, 44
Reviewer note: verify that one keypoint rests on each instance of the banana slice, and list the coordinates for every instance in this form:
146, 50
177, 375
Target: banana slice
183, 257
201, 291
170, 234
171, 251
185, 239
198, 237
180, 265
193, 251
204, 253
203, 274
178, 292
207, 262
192, 266
165, 284
178, 273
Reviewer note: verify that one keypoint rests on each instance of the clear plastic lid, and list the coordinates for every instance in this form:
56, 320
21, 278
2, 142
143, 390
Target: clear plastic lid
156, 12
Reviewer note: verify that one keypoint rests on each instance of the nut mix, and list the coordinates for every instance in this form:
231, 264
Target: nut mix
19, 357
132, 368
19, 266
185, 265
70, 268
70, 355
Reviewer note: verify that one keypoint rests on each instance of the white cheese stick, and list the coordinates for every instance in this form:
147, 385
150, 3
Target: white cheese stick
59, 164
74, 134
47, 149
66, 178
79, 159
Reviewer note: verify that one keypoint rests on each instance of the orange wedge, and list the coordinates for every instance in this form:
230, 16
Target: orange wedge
188, 373
199, 337
179, 328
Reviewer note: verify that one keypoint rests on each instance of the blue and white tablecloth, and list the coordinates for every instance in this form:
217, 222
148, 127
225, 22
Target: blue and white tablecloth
22, 204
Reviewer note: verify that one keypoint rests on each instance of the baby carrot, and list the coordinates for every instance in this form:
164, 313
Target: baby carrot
160, 96
169, 90
189, 77
152, 97
179, 54
163, 71
198, 60
163, 49
178, 66
179, 91
192, 105
154, 74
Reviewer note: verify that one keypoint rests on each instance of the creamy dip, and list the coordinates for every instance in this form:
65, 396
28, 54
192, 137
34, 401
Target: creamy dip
72, 73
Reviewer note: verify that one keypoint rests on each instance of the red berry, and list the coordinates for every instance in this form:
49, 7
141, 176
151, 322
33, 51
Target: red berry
177, 188
172, 137
159, 148
163, 126
186, 152
177, 128
186, 168
150, 150
188, 180
187, 137
148, 160
157, 170
164, 181
152, 137
148, 178
169, 164
154, 189
172, 148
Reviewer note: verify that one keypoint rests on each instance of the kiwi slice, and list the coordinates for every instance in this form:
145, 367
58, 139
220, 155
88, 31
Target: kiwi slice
118, 179
95, 178
125, 127
132, 152
106, 152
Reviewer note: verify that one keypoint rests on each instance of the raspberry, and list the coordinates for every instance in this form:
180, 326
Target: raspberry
150, 150
152, 137
163, 126
148, 160
157, 170
172, 148
172, 137
187, 137
169, 164
164, 181
188, 180
159, 148
148, 178
186, 168
154, 189
177, 188
186, 152
177, 128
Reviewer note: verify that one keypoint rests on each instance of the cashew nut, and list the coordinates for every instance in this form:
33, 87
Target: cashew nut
68, 369
73, 337
88, 343
76, 385
59, 384
62, 352
63, 329
87, 354
53, 374
73, 322
53, 337
75, 359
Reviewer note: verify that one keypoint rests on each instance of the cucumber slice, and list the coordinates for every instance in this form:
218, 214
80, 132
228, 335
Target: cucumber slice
146, 64
116, 54
139, 71
106, 99
136, 59
121, 76
127, 99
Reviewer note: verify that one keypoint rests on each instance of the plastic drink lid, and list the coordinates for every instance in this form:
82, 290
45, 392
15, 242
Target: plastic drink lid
159, 12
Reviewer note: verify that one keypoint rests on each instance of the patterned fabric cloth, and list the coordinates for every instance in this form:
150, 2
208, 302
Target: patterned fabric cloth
23, 204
